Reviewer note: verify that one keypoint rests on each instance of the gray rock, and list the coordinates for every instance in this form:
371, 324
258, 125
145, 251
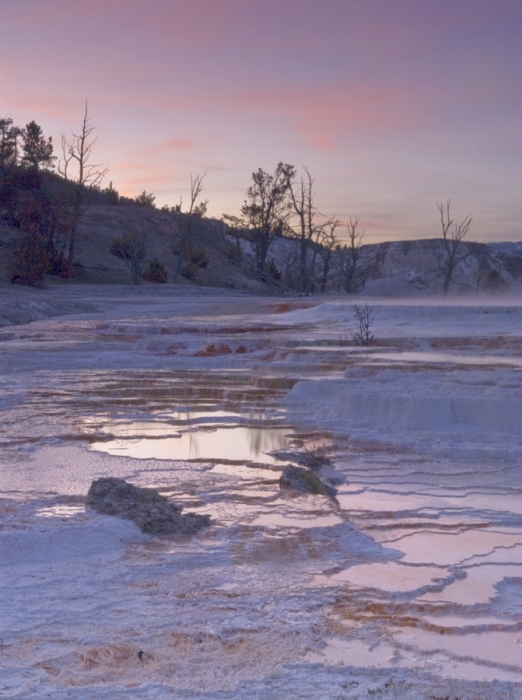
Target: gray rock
153, 513
305, 481
314, 459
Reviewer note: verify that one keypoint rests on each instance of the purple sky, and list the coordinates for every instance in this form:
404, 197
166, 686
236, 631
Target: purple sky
391, 104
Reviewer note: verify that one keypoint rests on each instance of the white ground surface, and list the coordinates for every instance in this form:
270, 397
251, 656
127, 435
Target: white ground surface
409, 587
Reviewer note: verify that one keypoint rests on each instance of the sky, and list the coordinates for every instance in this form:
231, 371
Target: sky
392, 105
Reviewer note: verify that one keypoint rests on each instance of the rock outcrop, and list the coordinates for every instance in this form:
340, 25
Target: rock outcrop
153, 513
305, 481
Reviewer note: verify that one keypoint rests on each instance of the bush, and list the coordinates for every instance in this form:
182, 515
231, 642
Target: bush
128, 247
194, 259
131, 249
190, 271
199, 258
112, 196
155, 272
273, 271
59, 266
31, 261
145, 199
235, 255
362, 334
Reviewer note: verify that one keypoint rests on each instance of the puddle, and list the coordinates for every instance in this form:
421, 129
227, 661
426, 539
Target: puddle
449, 621
353, 653
452, 548
501, 649
357, 497
478, 588
60, 511
182, 418
247, 473
446, 357
391, 577
239, 443
275, 520
464, 657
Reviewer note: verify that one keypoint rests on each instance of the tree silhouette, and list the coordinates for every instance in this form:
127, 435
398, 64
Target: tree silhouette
188, 223
8, 143
313, 236
77, 151
37, 150
145, 199
451, 241
352, 278
267, 208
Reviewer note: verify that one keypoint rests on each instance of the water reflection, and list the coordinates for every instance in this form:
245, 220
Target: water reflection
391, 576
239, 443
278, 520
446, 357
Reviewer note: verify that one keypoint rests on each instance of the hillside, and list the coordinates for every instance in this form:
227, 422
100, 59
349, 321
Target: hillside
398, 268
103, 224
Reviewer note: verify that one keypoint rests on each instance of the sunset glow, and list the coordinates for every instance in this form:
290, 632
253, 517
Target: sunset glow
391, 104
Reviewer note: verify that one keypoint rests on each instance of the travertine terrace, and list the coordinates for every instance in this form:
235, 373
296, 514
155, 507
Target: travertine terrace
408, 586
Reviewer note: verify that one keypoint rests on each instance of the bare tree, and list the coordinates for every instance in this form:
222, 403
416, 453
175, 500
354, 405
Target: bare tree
452, 240
352, 279
315, 238
232, 227
362, 333
132, 249
266, 209
77, 151
287, 262
306, 230
188, 223
328, 242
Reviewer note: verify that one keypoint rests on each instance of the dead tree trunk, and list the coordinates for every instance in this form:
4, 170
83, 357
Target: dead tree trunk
188, 222
451, 241
353, 280
77, 150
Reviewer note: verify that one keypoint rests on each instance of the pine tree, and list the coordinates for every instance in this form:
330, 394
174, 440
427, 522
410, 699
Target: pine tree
38, 152
8, 143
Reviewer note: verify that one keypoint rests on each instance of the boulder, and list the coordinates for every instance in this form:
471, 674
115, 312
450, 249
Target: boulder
153, 513
305, 481
314, 459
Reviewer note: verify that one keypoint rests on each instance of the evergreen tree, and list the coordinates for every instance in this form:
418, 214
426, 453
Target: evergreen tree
8, 143
38, 151
267, 209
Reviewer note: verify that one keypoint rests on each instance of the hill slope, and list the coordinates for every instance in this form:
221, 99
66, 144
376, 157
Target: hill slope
398, 268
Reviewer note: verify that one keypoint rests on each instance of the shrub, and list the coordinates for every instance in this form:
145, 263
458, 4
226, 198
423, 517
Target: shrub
132, 250
235, 255
494, 282
128, 247
155, 272
362, 334
112, 196
273, 271
145, 199
31, 261
59, 266
190, 271
199, 258
195, 258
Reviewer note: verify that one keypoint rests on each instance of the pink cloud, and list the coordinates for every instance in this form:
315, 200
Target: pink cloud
319, 114
179, 145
